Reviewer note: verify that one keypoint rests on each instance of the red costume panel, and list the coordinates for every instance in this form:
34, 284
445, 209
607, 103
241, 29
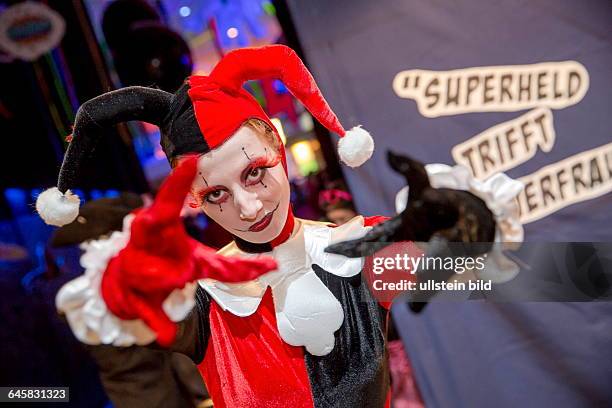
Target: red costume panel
247, 364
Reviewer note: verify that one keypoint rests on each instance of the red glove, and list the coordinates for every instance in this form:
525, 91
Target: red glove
160, 257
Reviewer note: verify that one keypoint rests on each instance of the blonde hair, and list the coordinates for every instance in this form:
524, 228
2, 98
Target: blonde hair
261, 129
264, 130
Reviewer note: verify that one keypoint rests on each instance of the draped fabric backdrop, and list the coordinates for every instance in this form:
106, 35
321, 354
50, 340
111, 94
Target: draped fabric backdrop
475, 354
355, 48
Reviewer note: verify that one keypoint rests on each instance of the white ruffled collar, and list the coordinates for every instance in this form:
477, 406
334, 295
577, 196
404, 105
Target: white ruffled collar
499, 192
307, 313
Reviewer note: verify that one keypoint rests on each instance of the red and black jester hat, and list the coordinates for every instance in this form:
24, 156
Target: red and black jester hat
199, 117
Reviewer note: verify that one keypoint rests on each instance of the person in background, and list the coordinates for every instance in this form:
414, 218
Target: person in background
337, 205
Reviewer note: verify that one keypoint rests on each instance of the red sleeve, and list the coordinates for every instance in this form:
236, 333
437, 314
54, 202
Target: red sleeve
374, 220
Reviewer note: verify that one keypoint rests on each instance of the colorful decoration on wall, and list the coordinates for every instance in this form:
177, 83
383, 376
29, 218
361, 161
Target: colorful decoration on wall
237, 20
541, 87
29, 30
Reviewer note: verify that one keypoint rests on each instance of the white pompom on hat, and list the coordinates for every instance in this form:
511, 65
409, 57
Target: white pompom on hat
57, 208
355, 146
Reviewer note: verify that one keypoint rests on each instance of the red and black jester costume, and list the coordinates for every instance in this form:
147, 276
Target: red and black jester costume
199, 117
246, 362
308, 333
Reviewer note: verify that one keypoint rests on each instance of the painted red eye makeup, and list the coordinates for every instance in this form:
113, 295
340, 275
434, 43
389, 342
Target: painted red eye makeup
257, 168
213, 195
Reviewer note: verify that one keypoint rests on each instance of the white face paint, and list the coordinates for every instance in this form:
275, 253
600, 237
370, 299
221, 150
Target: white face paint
243, 187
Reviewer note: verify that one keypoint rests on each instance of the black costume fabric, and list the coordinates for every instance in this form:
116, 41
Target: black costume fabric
128, 372
133, 103
180, 133
173, 113
354, 374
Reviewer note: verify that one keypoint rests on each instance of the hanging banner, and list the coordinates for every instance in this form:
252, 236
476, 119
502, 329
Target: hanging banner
493, 89
578, 178
522, 86
511, 87
508, 144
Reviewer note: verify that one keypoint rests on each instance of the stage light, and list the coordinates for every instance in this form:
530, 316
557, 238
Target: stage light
95, 194
302, 152
304, 156
268, 8
185, 11
232, 32
306, 123
17, 200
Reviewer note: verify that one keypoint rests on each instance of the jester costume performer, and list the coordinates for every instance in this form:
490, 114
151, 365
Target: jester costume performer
272, 319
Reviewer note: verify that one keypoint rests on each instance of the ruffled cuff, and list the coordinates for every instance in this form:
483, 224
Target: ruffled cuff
499, 192
82, 303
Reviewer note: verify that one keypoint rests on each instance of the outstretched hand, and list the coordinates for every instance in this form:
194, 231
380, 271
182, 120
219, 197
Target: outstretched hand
160, 257
454, 215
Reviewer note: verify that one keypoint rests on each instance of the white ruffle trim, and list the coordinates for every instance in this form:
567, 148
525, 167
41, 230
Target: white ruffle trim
307, 313
82, 303
499, 192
